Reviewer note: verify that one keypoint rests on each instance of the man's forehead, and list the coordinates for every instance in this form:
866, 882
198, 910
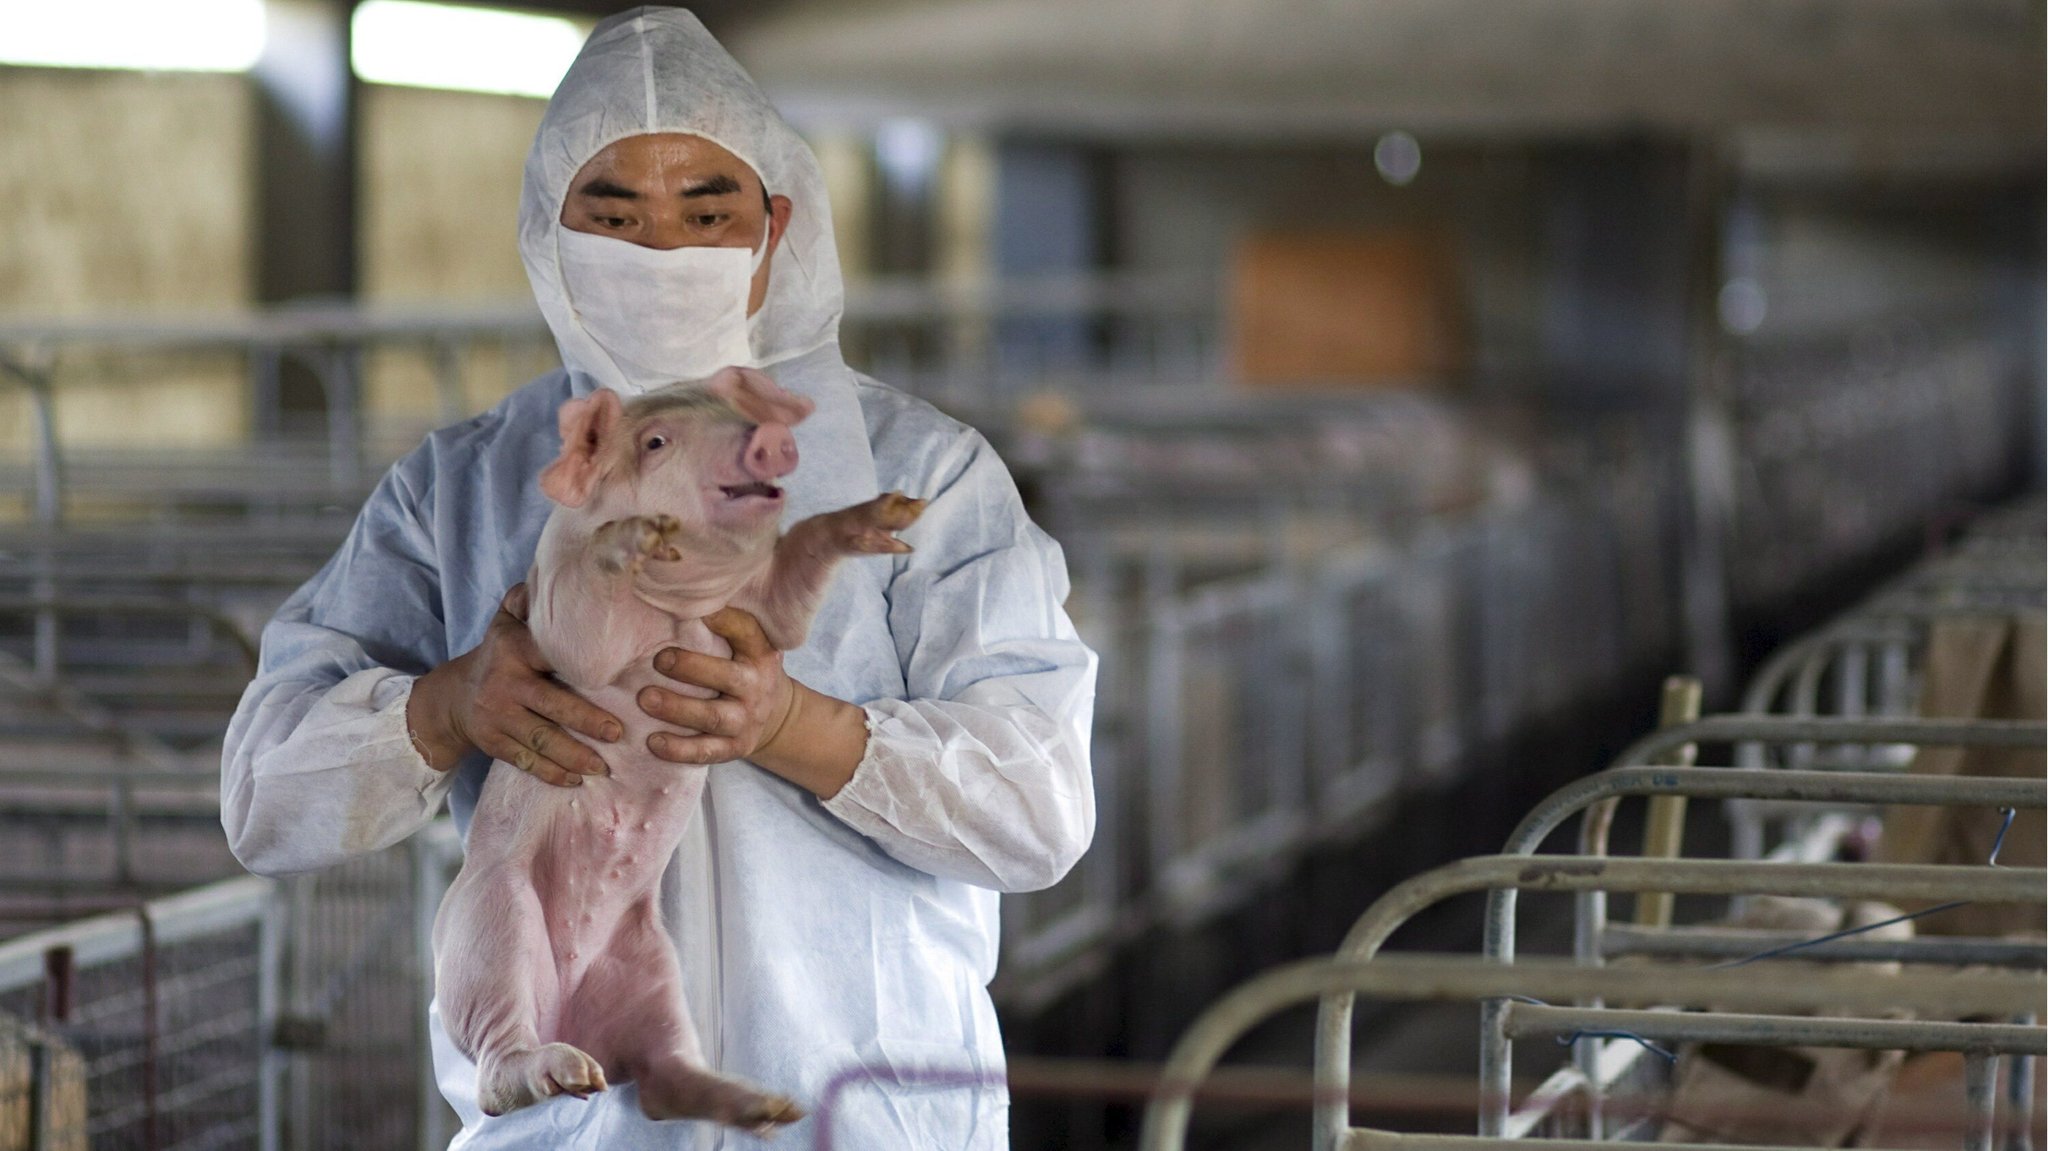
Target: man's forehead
679, 158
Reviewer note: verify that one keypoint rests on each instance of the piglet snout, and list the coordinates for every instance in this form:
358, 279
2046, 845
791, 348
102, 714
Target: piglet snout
770, 452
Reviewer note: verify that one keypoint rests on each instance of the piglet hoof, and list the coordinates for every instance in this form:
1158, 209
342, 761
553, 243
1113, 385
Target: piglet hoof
657, 537
869, 528
522, 1078
770, 1114
684, 1091
628, 544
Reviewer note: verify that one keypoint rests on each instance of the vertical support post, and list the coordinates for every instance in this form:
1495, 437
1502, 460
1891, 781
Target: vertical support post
59, 971
1163, 760
306, 114
426, 896
1496, 1050
122, 819
49, 509
1664, 829
42, 1090
2019, 1097
1589, 925
59, 978
299, 984
269, 1060
42, 393
1980, 1096
152, 1032
1160, 699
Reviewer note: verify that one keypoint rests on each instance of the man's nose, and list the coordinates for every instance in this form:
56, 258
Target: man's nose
770, 452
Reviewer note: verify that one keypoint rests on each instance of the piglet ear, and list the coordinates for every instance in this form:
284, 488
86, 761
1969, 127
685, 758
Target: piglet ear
588, 427
758, 397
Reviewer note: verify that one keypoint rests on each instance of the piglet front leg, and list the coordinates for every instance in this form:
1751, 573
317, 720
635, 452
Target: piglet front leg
869, 528
787, 596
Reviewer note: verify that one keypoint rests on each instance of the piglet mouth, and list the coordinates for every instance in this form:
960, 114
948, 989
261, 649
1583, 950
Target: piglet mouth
745, 491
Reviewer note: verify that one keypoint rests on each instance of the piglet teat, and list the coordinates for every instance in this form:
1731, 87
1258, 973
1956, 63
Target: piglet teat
770, 452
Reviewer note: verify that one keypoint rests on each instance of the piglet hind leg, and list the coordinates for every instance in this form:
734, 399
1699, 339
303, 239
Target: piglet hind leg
630, 1006
491, 990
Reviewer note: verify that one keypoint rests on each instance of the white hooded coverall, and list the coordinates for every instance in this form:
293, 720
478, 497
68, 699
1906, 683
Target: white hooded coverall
848, 939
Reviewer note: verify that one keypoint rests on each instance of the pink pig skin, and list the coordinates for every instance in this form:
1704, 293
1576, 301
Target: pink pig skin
554, 971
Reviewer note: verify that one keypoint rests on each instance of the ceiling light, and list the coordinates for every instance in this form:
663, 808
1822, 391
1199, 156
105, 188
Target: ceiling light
152, 35
466, 49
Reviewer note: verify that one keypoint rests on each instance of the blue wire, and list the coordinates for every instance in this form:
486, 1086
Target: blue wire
2000, 841
1574, 1037
1668, 1055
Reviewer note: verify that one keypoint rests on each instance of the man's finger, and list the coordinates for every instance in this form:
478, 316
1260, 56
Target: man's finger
531, 762
702, 716
554, 744
665, 705
694, 667
693, 748
742, 631
562, 706
517, 601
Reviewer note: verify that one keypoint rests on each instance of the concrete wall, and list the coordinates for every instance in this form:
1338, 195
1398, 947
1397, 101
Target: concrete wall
127, 193
438, 204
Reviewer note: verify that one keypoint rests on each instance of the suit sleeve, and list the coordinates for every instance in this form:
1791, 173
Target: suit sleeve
318, 765
981, 773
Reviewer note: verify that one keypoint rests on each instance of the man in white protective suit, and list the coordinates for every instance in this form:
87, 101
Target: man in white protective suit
834, 904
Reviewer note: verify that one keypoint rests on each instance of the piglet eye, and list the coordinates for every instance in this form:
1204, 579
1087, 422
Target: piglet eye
654, 442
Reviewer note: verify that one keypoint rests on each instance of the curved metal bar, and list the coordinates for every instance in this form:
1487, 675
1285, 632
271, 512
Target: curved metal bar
1598, 873
1801, 786
1544, 1021
1466, 977
1827, 729
1598, 793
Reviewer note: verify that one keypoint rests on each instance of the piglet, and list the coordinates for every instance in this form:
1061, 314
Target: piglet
554, 971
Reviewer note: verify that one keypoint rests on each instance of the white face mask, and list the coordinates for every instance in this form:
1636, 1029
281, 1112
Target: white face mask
662, 316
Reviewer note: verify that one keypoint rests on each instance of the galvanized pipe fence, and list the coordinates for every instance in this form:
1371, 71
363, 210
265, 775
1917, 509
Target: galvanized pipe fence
1868, 663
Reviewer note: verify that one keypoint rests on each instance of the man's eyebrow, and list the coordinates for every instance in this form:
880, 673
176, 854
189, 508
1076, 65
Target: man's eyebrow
607, 189
719, 185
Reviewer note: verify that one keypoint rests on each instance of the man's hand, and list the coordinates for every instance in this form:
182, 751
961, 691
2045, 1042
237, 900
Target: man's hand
499, 699
754, 701
759, 713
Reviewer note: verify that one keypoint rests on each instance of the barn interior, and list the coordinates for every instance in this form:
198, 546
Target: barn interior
1440, 405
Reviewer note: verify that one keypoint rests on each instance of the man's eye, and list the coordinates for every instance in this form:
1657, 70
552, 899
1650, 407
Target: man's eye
612, 221
707, 221
654, 442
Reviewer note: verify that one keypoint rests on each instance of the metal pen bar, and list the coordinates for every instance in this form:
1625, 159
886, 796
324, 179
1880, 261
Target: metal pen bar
1828, 729
1593, 792
1361, 1140
1451, 977
1739, 943
1599, 873
1527, 1020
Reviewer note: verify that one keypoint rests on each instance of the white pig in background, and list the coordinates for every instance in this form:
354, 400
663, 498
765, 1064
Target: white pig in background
553, 969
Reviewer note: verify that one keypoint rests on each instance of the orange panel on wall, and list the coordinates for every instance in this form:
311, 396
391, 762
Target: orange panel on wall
1344, 307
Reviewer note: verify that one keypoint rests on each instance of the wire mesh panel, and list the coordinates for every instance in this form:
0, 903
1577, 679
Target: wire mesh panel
1225, 733
164, 1013
354, 1004
1847, 449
